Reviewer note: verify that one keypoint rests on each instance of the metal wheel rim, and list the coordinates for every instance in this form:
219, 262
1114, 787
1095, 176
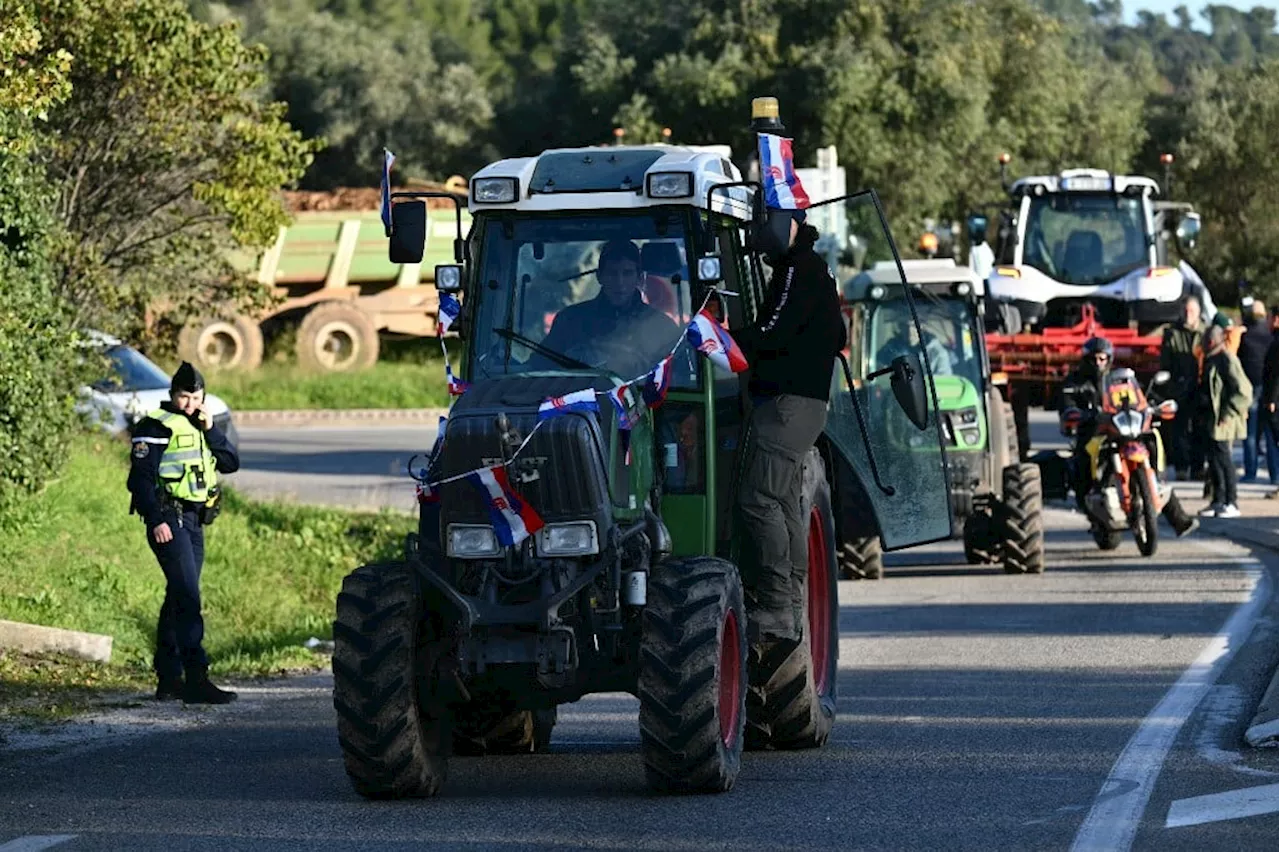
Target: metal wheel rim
220, 345
730, 703
337, 345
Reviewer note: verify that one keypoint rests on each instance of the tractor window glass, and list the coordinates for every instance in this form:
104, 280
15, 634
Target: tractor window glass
948, 338
583, 293
1085, 238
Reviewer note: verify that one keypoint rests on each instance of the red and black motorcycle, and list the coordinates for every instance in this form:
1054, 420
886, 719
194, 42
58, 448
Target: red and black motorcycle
1125, 455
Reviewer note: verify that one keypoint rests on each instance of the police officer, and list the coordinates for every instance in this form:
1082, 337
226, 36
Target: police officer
177, 456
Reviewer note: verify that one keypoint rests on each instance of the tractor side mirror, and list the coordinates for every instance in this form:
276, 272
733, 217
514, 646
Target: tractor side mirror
907, 381
449, 278
408, 231
709, 271
1188, 231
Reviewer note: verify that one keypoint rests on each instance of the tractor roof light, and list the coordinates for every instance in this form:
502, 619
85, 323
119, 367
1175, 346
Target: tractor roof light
495, 190
963, 288
669, 184
765, 115
877, 292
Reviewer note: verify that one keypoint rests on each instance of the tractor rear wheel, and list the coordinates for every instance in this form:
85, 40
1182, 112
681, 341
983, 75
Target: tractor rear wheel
791, 703
1022, 511
393, 724
693, 681
861, 558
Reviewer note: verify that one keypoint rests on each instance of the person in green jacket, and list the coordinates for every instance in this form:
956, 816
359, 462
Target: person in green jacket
1229, 395
1180, 355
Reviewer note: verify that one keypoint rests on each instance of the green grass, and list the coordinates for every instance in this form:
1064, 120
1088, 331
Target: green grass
73, 557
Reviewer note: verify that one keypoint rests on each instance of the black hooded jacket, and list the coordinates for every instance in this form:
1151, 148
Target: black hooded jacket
793, 343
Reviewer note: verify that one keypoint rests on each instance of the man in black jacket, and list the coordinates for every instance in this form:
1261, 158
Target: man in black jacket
791, 347
177, 456
1253, 353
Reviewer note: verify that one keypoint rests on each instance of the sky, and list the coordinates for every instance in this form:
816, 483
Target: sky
1131, 8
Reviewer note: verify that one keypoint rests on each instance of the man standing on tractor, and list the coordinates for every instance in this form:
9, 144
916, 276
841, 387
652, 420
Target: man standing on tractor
1180, 355
1089, 380
792, 350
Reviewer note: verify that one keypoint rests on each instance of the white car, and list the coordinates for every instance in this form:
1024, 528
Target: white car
136, 388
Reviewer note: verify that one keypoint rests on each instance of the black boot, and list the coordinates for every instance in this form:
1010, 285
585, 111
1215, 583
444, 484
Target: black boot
169, 689
200, 690
1178, 518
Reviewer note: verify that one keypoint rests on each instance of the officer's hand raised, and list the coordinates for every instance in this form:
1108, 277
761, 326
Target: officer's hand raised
206, 421
163, 534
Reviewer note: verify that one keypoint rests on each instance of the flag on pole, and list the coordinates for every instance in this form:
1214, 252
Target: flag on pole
657, 383
457, 387
706, 335
450, 307
782, 188
513, 519
583, 400
387, 159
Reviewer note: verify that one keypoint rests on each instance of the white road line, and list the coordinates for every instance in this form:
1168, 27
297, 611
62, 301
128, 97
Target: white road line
1117, 810
36, 842
1216, 807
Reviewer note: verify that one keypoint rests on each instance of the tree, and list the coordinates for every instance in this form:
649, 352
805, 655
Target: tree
164, 158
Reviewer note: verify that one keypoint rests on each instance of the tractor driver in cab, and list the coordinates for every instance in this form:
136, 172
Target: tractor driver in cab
1088, 382
617, 326
892, 318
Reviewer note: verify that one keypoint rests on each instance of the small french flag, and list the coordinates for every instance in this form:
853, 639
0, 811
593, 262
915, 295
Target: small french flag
583, 400
456, 386
782, 188
706, 335
657, 383
513, 519
387, 159
427, 493
450, 307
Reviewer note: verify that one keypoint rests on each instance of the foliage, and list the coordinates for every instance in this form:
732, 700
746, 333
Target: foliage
278, 387
271, 571
164, 158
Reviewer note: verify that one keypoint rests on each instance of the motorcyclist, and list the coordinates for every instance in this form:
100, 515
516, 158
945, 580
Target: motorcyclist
1086, 386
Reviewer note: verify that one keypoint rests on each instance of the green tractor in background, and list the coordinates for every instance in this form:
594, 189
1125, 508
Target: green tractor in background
996, 500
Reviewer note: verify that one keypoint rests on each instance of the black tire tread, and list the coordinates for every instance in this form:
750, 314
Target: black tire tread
1150, 515
861, 559
1022, 508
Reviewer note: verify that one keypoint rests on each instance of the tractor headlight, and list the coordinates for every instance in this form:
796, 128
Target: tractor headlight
971, 437
494, 190
670, 184
1128, 423
577, 538
472, 541
968, 415
878, 291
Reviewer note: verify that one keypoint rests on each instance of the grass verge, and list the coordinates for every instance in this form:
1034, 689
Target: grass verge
74, 558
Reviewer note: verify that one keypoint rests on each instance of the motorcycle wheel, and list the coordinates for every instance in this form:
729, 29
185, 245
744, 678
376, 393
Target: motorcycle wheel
1143, 514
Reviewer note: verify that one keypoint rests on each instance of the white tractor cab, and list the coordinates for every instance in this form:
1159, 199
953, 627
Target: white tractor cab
1087, 235
633, 583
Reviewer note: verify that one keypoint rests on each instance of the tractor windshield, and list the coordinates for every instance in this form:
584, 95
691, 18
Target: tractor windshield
1085, 238
593, 292
949, 343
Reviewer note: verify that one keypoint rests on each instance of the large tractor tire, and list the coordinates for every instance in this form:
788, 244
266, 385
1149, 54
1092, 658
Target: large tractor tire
1146, 530
791, 703
693, 680
861, 558
1011, 435
521, 732
216, 344
1022, 515
337, 337
392, 722
981, 538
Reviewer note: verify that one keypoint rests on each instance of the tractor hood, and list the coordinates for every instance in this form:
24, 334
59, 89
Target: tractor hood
1028, 284
955, 392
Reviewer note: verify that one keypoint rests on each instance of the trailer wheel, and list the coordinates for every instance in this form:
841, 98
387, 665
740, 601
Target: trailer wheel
1022, 505
337, 337
219, 344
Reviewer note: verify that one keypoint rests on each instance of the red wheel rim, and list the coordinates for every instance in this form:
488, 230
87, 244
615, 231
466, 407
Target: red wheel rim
730, 678
819, 603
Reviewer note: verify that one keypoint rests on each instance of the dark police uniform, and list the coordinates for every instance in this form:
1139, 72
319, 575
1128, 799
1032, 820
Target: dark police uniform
173, 480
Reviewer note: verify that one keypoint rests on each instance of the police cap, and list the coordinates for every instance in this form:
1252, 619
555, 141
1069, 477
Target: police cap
187, 379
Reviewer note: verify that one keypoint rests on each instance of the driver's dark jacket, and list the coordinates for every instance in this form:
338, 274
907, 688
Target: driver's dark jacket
650, 332
793, 343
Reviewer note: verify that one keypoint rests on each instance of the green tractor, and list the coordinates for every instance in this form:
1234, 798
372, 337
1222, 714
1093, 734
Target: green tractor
996, 499
633, 583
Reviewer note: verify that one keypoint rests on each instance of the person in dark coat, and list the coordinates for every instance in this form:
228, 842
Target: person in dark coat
1253, 352
1180, 355
1229, 393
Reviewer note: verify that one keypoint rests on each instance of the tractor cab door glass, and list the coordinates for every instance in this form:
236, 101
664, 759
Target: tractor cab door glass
884, 422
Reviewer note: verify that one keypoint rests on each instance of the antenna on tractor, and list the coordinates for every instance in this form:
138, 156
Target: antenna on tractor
1166, 160
1004, 159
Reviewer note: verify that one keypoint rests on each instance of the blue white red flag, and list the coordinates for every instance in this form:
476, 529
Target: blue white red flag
387, 159
427, 493
782, 188
513, 519
450, 307
627, 416
457, 387
583, 400
706, 335
657, 383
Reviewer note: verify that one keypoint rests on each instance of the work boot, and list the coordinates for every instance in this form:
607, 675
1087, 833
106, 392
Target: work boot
169, 689
1182, 523
200, 690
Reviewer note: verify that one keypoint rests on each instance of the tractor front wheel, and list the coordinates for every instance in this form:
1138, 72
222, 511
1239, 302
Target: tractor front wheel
1022, 509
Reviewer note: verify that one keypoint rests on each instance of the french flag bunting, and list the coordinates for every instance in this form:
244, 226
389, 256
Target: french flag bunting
457, 387
450, 307
657, 383
583, 400
427, 493
387, 159
706, 335
627, 417
513, 519
782, 188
